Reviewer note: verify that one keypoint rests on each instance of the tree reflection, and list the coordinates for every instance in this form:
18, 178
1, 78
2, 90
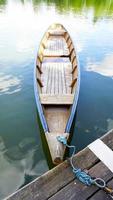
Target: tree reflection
100, 8
2, 2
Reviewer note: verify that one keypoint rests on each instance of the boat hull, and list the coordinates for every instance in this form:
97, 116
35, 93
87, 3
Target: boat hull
56, 107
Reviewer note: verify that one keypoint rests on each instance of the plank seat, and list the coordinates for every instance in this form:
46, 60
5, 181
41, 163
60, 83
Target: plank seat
57, 32
66, 99
56, 46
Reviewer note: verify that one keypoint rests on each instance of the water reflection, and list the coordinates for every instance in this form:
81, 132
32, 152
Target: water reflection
17, 165
110, 123
104, 68
100, 8
9, 84
22, 24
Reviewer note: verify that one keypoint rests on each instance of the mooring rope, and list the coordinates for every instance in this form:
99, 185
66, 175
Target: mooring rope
81, 175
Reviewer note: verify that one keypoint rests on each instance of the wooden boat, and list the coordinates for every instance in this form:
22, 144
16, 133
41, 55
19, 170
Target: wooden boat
56, 85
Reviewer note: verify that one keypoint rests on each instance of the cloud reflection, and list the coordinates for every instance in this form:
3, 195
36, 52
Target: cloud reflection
104, 68
16, 163
9, 84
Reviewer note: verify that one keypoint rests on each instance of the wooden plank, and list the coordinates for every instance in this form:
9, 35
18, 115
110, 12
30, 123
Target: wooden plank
69, 42
56, 99
60, 86
63, 79
40, 82
41, 51
73, 57
44, 77
79, 191
74, 68
73, 82
68, 77
57, 31
56, 80
60, 32
43, 45
53, 81
40, 57
66, 36
102, 195
55, 56
54, 180
57, 117
70, 45
39, 69
71, 49
49, 80
39, 61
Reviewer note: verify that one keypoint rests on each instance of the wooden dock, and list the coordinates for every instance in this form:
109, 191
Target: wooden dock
61, 184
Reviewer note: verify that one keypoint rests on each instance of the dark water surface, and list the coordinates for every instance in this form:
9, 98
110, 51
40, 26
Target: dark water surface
22, 24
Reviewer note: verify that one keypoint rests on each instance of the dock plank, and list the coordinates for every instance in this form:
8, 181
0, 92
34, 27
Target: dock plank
100, 195
77, 190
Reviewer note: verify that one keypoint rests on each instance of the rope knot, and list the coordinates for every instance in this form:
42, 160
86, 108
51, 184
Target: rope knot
83, 177
62, 139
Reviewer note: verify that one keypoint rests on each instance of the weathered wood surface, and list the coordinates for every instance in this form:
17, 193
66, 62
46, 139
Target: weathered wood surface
60, 183
56, 77
54, 144
57, 117
56, 99
76, 190
56, 46
100, 195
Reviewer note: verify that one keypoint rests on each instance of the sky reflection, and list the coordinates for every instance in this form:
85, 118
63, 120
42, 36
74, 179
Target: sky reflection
9, 84
14, 165
104, 68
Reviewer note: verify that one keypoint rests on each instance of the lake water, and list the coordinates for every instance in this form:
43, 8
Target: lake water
22, 25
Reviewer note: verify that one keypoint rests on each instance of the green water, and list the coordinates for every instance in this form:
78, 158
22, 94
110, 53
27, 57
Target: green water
22, 25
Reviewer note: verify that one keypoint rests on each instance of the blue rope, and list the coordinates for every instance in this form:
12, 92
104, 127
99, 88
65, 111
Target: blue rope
81, 175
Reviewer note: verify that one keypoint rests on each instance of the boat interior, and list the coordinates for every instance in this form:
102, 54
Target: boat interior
56, 73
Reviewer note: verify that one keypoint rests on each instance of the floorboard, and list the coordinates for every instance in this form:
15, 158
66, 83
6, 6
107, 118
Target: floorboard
56, 78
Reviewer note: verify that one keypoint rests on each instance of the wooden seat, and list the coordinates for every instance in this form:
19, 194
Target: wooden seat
56, 99
59, 32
